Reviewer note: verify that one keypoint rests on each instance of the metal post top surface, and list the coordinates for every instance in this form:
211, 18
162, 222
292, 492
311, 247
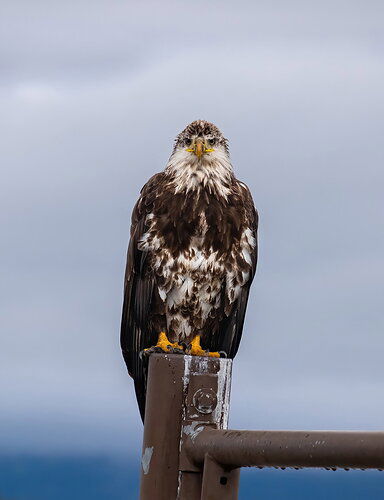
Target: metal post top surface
203, 363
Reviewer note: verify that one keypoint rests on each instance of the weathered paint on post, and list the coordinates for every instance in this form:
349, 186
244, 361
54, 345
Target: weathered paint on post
206, 388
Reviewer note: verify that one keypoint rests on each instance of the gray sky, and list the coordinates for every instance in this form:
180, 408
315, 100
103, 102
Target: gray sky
92, 95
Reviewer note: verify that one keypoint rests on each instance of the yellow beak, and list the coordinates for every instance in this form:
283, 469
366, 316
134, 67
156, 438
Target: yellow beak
199, 148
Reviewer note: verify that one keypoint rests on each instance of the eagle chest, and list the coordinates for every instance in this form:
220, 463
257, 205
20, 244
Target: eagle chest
189, 275
181, 249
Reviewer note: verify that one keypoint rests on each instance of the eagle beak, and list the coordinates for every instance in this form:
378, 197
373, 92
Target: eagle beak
199, 148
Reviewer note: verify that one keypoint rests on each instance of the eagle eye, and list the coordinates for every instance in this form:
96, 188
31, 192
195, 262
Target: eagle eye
187, 142
212, 142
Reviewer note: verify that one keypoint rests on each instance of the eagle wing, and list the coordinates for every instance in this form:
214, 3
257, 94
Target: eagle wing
227, 337
136, 331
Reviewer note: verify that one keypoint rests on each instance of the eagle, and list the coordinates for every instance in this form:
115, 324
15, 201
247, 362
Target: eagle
191, 257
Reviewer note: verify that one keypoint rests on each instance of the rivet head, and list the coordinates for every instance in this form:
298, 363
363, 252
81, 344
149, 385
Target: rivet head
205, 400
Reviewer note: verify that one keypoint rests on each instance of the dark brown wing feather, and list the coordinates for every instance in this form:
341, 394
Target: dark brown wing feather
227, 337
136, 329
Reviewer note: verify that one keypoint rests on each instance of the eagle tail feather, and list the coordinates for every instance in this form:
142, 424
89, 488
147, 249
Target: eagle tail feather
140, 389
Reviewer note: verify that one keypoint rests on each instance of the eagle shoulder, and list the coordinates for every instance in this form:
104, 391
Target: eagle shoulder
148, 194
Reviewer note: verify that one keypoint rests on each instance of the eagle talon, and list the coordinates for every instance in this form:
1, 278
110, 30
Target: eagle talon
195, 349
213, 354
163, 346
175, 349
178, 351
146, 352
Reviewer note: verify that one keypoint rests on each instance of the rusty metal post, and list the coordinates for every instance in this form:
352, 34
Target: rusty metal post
184, 395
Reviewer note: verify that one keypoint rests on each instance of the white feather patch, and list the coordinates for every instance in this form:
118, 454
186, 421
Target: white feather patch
212, 171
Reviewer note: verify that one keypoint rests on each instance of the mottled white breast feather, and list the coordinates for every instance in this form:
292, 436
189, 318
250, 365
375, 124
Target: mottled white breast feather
194, 278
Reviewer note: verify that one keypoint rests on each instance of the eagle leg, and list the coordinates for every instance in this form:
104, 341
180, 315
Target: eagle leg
165, 345
195, 349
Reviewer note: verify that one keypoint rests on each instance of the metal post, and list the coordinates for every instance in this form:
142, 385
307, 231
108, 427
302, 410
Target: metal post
219, 483
328, 449
189, 455
206, 387
184, 395
162, 424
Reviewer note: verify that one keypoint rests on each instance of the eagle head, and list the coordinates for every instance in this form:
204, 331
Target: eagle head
202, 139
200, 158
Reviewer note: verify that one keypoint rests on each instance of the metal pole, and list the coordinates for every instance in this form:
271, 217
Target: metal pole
206, 404
162, 426
219, 483
184, 394
329, 449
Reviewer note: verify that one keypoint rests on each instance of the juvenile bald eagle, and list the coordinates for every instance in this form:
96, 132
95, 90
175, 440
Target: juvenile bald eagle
191, 257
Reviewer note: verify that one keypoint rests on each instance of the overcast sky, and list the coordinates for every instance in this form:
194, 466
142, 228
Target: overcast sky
92, 95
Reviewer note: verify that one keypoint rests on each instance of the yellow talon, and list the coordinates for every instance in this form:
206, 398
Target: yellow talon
197, 350
165, 344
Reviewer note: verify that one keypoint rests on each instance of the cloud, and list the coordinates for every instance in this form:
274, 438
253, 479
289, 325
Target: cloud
90, 110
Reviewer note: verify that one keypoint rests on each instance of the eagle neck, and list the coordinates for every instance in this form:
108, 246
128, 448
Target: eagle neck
213, 177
